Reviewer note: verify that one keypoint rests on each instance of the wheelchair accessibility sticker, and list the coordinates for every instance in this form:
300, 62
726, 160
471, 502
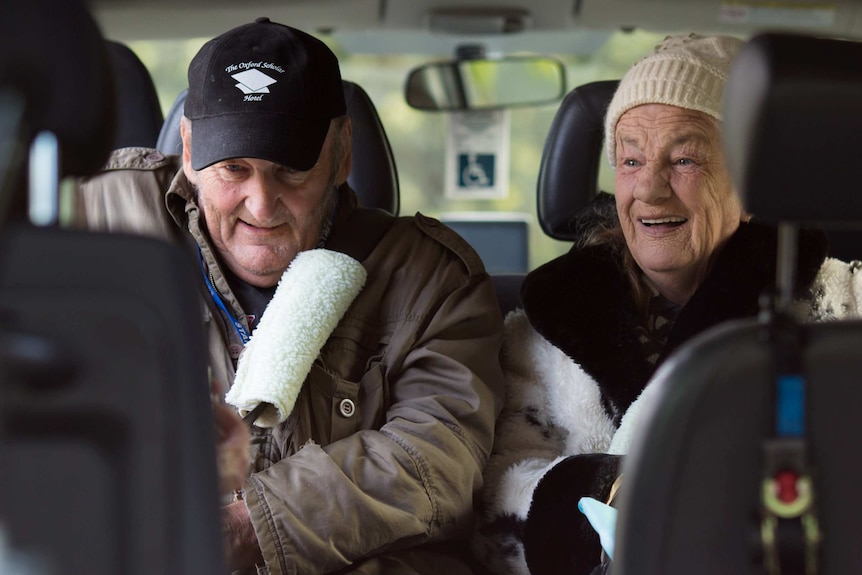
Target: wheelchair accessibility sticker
476, 170
477, 155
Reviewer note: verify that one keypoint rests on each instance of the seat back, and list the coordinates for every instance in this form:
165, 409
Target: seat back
500, 238
569, 171
139, 114
507, 286
34, 97
744, 456
107, 443
170, 141
691, 501
565, 186
373, 174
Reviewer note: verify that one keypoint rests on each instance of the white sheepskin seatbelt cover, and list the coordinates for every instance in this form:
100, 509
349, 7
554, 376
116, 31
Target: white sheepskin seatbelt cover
311, 297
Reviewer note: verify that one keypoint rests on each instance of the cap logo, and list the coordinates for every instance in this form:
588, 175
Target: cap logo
252, 82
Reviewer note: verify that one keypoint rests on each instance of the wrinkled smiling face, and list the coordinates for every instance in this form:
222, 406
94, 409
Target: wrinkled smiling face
674, 197
260, 214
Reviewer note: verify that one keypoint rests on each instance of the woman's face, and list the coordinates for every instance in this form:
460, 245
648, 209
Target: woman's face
674, 197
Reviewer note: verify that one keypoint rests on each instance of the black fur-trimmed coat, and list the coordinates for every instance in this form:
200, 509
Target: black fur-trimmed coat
574, 366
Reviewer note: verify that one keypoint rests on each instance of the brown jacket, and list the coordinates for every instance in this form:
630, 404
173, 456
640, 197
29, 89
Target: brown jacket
389, 487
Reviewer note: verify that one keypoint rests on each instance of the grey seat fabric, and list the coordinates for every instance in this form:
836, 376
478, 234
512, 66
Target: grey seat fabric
106, 430
691, 498
701, 478
373, 175
139, 114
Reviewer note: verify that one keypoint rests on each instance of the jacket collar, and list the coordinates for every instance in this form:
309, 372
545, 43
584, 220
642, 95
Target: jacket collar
580, 304
179, 198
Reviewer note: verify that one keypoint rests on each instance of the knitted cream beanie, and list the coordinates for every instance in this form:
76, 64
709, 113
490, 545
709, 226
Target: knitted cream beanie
686, 71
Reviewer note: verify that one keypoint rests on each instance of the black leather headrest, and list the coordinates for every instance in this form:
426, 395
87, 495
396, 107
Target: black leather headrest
139, 114
53, 53
793, 128
373, 175
568, 174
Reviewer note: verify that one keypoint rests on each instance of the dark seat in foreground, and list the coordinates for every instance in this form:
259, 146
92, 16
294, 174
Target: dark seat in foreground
139, 114
107, 442
750, 463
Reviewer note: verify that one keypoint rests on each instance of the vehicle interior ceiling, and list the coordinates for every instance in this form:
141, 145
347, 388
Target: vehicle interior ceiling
380, 42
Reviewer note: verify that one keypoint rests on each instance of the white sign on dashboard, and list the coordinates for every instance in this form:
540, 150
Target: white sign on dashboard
477, 155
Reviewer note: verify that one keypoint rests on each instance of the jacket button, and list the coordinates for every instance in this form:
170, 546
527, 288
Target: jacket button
347, 407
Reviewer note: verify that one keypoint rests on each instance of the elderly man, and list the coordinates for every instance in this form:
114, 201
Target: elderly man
374, 467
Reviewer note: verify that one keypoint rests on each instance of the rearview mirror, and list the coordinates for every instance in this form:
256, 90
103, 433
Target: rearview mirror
484, 84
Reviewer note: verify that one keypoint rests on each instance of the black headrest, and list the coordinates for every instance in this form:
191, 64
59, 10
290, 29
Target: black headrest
53, 53
139, 114
169, 140
568, 174
373, 175
793, 128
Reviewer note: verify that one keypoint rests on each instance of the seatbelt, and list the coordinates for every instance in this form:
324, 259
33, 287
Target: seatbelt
357, 237
789, 530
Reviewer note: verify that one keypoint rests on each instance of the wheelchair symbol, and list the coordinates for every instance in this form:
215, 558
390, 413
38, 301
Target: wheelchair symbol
474, 174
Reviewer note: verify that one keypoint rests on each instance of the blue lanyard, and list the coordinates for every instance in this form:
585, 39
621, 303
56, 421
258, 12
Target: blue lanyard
237, 325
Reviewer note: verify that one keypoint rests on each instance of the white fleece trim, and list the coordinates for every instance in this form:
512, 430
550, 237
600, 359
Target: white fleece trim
630, 426
837, 292
311, 297
519, 483
553, 410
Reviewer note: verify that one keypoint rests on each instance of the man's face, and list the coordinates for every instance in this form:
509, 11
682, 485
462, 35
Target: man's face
674, 197
260, 214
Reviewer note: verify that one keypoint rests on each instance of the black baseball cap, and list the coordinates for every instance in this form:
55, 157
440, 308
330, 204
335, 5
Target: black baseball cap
262, 90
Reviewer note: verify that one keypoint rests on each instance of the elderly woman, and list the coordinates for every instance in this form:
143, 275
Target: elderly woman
673, 255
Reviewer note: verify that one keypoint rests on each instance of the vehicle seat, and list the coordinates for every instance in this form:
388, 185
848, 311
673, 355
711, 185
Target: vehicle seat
753, 416
139, 114
373, 174
568, 173
106, 429
169, 141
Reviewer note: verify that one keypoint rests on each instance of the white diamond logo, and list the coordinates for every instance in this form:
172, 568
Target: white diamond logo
253, 82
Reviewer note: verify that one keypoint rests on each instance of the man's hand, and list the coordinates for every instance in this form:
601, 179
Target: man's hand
241, 547
232, 448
